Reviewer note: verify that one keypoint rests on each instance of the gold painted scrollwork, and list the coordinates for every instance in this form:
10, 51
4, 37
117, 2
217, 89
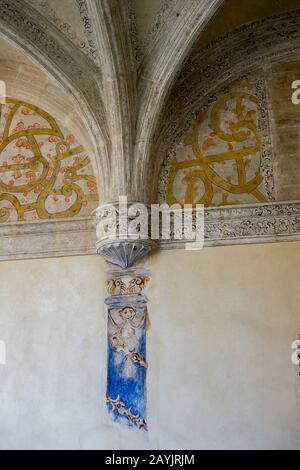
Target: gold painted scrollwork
52, 183
238, 141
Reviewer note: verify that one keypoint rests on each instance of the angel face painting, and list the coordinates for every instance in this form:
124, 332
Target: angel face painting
127, 313
127, 330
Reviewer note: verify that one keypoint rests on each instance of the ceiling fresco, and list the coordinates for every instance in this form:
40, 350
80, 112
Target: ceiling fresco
195, 103
224, 159
44, 172
243, 146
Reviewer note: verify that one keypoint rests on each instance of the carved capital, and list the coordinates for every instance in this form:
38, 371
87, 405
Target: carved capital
126, 253
116, 241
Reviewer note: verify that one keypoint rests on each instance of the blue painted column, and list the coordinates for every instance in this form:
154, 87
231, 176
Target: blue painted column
127, 354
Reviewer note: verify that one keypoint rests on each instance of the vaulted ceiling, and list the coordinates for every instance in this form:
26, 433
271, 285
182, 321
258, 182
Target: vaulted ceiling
121, 97
129, 69
93, 49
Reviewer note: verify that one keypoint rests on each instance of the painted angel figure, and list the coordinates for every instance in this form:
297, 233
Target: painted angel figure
126, 337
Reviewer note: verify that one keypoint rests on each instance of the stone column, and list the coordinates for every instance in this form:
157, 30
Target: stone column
126, 302
127, 361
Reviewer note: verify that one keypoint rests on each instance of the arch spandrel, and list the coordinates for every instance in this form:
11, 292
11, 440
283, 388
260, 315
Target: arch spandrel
45, 173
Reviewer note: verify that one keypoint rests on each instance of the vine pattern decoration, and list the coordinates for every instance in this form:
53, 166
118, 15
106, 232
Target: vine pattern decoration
136, 285
44, 174
227, 152
118, 407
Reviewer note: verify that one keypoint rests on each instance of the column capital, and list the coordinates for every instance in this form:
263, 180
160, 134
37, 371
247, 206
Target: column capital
117, 242
125, 253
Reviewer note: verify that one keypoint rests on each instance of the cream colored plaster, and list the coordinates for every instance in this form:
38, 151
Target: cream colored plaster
222, 321
219, 347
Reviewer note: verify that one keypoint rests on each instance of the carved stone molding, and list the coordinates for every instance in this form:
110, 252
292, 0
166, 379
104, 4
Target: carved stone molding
268, 222
47, 239
261, 223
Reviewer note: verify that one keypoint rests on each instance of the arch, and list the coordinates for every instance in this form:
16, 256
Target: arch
110, 19
180, 26
242, 50
50, 49
45, 173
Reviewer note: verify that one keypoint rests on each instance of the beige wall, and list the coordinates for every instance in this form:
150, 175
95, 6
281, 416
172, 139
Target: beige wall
219, 348
223, 321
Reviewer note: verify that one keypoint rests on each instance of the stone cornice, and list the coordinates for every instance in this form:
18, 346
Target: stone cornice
261, 223
234, 225
46, 239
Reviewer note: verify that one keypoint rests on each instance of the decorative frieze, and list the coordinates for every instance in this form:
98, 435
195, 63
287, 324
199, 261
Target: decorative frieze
250, 224
260, 223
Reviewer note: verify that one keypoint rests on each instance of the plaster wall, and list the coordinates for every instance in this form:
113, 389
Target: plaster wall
219, 348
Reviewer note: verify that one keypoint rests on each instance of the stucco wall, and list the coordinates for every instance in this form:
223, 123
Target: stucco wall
219, 349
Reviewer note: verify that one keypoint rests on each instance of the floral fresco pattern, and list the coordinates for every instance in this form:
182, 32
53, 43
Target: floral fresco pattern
44, 172
222, 160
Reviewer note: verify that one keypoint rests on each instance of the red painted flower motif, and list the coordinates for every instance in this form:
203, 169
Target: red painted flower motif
92, 186
18, 159
17, 174
31, 175
23, 143
20, 127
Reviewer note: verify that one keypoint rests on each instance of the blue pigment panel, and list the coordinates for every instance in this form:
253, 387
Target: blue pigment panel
127, 366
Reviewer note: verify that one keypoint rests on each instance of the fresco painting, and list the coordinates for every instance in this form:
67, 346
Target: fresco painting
44, 172
127, 362
224, 158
